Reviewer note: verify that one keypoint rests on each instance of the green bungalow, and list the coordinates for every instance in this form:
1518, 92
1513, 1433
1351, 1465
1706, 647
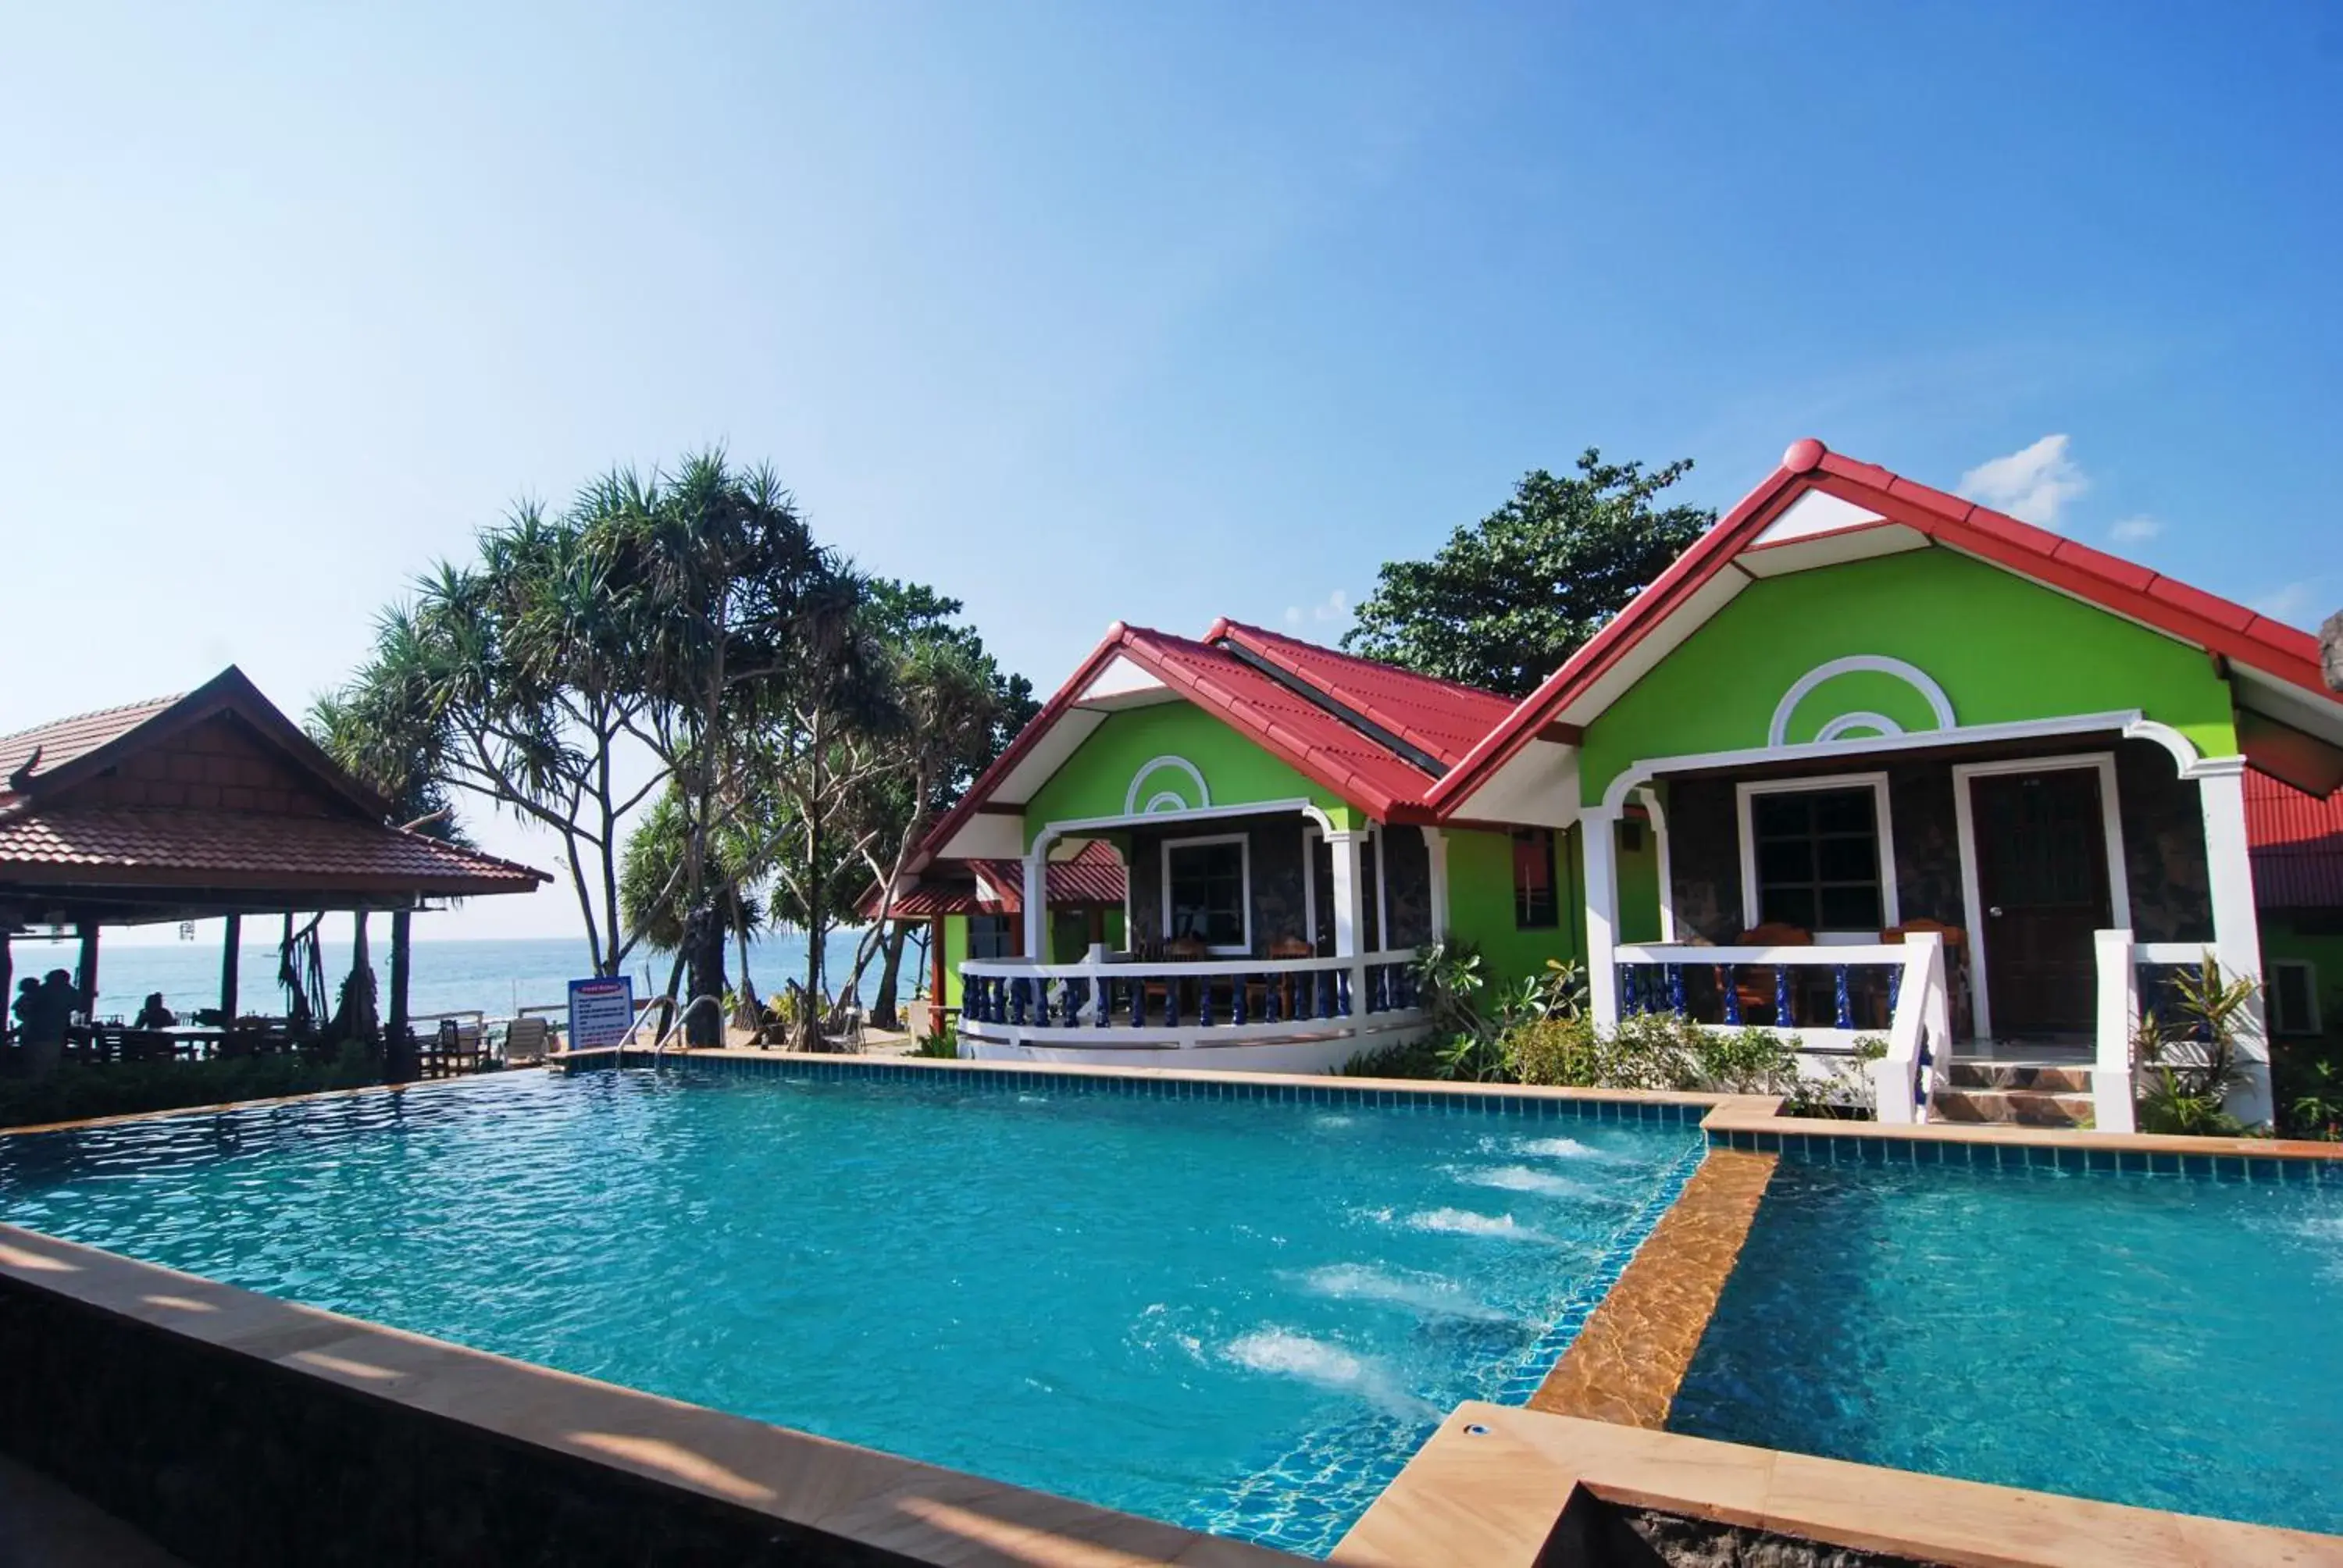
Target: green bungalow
1868, 759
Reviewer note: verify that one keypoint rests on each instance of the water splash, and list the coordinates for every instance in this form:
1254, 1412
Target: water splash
1427, 1293
1465, 1223
1282, 1353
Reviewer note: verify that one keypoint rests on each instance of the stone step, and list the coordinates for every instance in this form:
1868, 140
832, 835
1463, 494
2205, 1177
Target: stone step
2013, 1107
1971, 1075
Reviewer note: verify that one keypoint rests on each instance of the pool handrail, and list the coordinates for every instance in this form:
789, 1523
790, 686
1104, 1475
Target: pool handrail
683, 1013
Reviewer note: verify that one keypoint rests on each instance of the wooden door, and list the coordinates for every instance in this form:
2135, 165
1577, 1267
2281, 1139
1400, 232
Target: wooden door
2042, 874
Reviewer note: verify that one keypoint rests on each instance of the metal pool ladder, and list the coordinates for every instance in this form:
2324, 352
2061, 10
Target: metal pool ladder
659, 1046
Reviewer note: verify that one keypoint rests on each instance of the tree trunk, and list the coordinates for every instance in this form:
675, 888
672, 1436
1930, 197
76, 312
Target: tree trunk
748, 1015
882, 1012
817, 891
703, 945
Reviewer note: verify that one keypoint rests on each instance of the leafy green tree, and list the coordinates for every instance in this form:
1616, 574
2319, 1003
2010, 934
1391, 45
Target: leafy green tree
1507, 599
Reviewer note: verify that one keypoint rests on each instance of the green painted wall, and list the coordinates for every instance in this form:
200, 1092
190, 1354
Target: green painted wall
2002, 647
1095, 782
955, 954
1481, 905
1639, 887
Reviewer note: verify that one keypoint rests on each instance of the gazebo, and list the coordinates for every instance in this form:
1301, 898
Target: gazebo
213, 803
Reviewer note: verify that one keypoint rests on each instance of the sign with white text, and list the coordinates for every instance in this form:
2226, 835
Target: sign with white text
601, 1012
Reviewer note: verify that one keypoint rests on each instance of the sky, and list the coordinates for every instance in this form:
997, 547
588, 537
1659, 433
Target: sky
1096, 312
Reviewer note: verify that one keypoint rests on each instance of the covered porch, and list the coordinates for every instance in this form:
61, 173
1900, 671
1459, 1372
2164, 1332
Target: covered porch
1274, 935
2005, 898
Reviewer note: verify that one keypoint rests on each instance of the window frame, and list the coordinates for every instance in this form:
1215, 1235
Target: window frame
1552, 839
1883, 825
1244, 886
1009, 932
2296, 1028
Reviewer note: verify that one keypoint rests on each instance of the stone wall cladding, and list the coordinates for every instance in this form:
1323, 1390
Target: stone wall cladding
2164, 847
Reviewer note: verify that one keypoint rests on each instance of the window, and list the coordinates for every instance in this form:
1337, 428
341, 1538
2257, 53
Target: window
1536, 906
1811, 857
1205, 893
991, 936
2293, 997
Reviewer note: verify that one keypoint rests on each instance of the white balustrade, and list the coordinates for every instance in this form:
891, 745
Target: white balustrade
1107, 1003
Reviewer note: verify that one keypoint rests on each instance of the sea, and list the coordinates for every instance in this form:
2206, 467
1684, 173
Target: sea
498, 977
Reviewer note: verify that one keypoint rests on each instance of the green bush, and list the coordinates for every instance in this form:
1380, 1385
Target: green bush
77, 1091
944, 1044
1416, 1059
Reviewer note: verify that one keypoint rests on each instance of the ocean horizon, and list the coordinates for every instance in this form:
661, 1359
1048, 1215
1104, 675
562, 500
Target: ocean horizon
494, 975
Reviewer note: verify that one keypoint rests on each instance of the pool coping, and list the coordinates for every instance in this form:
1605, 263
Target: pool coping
1489, 1487
895, 1507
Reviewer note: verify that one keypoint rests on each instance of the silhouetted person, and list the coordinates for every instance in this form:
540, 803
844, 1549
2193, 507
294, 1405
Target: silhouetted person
44, 1033
154, 1015
27, 1008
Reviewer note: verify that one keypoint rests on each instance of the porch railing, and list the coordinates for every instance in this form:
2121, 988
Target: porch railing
1829, 996
1107, 1001
2127, 972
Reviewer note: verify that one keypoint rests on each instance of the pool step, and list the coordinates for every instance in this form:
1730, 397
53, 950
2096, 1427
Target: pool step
2014, 1106
1976, 1075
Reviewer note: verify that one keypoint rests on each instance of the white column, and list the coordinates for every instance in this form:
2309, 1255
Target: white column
1651, 799
1351, 913
2236, 930
1435, 851
1037, 900
1599, 828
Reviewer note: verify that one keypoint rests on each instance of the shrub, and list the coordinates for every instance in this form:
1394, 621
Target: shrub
78, 1090
943, 1044
2186, 1069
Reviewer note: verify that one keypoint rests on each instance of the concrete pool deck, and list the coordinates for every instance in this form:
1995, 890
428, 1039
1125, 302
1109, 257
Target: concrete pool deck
550, 1456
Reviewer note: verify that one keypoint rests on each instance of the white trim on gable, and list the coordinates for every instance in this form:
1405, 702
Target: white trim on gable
1815, 512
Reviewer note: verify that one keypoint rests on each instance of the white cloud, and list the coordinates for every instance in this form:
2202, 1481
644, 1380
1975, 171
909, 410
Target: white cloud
1335, 609
2032, 485
2135, 530
2301, 604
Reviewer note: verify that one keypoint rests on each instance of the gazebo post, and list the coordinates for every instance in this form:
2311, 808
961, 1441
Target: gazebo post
7, 980
396, 1052
88, 977
229, 949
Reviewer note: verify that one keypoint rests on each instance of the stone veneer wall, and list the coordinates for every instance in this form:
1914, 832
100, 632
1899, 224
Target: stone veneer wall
2162, 831
1280, 905
1594, 1534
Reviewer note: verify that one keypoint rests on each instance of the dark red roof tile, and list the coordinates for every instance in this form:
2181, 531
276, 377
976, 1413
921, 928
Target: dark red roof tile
1439, 716
61, 741
97, 846
2296, 843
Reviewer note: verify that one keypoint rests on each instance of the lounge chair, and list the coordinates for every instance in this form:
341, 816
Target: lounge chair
525, 1041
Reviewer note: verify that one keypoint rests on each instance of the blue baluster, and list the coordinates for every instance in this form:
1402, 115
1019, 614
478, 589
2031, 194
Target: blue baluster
1139, 1004
1342, 994
1016, 1002
1729, 978
1675, 988
1782, 1018
1170, 1003
1076, 993
1895, 989
1845, 1011
1272, 1001
1204, 1002
1237, 999
1322, 1001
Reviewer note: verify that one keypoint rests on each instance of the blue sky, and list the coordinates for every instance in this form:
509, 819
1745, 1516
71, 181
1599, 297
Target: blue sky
1108, 311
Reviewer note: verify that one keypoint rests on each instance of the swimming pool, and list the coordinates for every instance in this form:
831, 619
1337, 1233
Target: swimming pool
1241, 1312
2166, 1341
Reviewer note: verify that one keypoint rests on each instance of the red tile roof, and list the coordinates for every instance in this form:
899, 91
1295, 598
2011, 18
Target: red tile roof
1092, 875
1439, 717
1299, 727
149, 847
2297, 845
61, 740
2212, 623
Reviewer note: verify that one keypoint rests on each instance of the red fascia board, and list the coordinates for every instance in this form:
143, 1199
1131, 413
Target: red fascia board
1117, 637
1708, 556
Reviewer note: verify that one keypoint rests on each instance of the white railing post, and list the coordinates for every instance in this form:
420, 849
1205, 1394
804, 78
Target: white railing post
1900, 1096
2112, 1090
1094, 966
2237, 930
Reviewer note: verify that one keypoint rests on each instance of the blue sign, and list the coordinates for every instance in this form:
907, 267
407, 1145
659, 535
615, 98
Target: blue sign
601, 1012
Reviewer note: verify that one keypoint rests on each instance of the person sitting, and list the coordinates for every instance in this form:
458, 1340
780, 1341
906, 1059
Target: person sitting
28, 1007
154, 1015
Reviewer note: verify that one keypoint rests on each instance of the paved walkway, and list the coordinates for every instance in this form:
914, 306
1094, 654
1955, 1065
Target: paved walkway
43, 1525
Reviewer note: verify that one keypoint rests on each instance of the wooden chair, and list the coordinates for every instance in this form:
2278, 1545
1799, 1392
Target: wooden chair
1288, 946
1759, 994
1957, 967
1187, 949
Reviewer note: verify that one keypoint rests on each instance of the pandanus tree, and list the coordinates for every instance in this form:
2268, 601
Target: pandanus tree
512, 680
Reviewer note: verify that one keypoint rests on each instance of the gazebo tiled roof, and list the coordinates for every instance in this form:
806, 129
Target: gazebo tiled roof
211, 802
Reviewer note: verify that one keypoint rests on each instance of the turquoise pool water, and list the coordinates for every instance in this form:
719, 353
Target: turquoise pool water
1233, 1313
2170, 1340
